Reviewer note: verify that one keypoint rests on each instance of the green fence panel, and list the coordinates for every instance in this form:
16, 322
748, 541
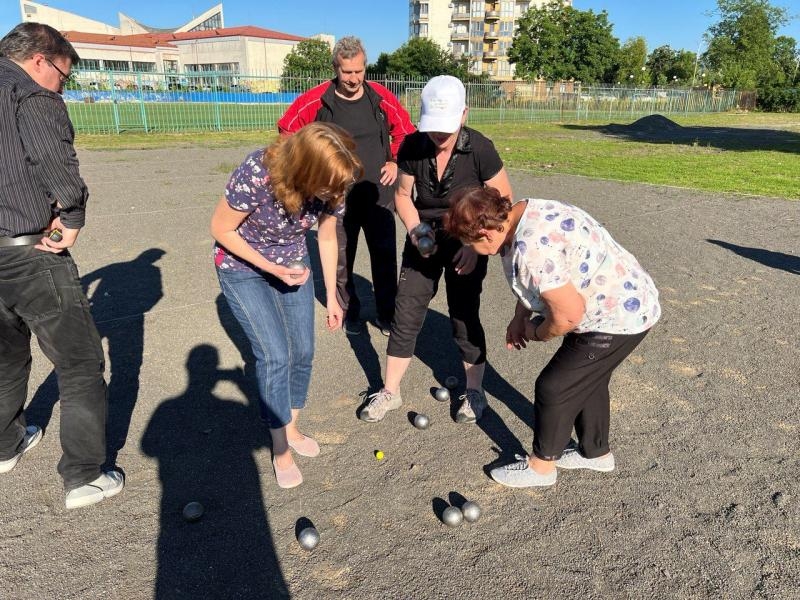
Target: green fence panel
114, 102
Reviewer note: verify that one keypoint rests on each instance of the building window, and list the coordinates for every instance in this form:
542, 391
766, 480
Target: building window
476, 48
423, 30
507, 8
143, 67
423, 9
212, 22
88, 64
170, 66
506, 29
117, 65
478, 8
476, 29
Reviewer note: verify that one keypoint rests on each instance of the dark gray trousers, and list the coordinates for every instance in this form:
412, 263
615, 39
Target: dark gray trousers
41, 293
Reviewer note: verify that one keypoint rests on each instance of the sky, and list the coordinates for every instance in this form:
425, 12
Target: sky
383, 24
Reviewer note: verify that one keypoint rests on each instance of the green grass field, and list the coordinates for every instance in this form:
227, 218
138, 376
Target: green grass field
754, 153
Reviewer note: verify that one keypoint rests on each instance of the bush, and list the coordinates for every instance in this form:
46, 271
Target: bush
779, 99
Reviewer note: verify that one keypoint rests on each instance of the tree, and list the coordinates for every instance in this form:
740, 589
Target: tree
787, 58
742, 45
309, 58
632, 66
561, 42
421, 57
666, 66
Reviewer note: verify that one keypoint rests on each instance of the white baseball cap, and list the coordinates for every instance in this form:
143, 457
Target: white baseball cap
443, 104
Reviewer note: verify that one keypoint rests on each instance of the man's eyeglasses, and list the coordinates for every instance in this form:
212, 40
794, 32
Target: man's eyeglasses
65, 78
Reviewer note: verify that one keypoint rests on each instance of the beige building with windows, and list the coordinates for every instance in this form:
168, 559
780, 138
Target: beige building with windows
478, 29
201, 53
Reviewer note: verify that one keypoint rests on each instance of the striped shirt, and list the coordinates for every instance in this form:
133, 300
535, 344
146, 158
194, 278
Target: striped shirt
38, 164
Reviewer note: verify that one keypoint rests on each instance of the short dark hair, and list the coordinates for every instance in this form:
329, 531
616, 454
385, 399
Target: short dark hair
27, 39
474, 208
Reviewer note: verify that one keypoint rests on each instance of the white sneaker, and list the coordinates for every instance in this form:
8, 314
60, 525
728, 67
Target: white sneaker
107, 485
520, 475
379, 404
33, 435
573, 459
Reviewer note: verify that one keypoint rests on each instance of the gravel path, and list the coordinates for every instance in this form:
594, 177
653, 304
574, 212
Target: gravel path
704, 503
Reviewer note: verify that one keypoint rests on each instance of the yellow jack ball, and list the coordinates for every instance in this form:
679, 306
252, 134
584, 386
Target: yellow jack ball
379, 454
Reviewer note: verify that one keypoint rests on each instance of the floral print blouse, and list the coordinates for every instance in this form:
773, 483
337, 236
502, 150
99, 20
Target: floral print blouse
276, 234
556, 243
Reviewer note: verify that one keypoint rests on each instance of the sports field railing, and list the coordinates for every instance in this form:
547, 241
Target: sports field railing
115, 102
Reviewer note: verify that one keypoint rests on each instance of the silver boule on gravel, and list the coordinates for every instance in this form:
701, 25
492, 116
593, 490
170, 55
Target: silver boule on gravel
451, 382
296, 265
308, 538
193, 511
452, 516
421, 421
471, 511
442, 394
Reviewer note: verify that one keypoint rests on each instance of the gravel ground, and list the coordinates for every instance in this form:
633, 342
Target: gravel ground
703, 504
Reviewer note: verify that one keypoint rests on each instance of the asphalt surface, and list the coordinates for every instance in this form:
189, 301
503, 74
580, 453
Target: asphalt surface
703, 504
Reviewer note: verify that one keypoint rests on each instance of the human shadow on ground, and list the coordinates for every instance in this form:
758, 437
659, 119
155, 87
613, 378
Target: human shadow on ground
205, 448
775, 260
436, 349
360, 344
658, 129
125, 291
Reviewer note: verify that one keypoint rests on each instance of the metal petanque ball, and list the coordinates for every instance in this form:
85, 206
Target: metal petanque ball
296, 265
442, 394
452, 516
308, 538
193, 511
425, 245
423, 230
471, 510
421, 421
451, 382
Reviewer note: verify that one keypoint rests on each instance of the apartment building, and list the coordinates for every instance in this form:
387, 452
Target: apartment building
478, 29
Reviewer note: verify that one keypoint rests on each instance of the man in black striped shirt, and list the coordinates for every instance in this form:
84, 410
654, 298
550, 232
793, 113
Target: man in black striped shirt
41, 192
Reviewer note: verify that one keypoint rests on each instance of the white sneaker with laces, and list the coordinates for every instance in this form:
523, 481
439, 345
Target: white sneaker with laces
473, 403
379, 404
573, 459
520, 475
107, 485
33, 435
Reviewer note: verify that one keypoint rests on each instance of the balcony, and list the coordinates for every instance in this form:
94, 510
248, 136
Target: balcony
490, 55
491, 35
460, 36
492, 15
459, 16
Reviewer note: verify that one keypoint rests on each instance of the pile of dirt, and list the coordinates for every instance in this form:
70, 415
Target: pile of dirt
651, 126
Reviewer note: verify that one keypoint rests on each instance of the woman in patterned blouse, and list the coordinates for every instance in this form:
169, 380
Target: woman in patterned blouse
271, 200
564, 266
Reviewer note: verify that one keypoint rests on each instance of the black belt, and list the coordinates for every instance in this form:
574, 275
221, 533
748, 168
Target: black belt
21, 240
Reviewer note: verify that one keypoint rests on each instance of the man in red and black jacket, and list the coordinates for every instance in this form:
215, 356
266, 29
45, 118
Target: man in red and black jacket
378, 123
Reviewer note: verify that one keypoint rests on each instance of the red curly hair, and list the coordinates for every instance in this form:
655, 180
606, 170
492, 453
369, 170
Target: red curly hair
473, 209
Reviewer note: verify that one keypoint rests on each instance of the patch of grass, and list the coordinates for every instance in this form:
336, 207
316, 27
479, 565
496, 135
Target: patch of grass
710, 164
747, 153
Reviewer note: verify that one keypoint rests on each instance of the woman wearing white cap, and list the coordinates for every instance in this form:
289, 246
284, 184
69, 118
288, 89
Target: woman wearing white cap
443, 156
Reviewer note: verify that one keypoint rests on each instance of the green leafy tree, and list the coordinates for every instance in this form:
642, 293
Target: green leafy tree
632, 68
421, 57
308, 62
787, 58
561, 42
742, 45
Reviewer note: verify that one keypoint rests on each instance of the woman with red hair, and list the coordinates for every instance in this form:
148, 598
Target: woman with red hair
564, 266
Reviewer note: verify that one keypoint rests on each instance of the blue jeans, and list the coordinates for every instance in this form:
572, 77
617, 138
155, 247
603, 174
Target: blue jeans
279, 322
